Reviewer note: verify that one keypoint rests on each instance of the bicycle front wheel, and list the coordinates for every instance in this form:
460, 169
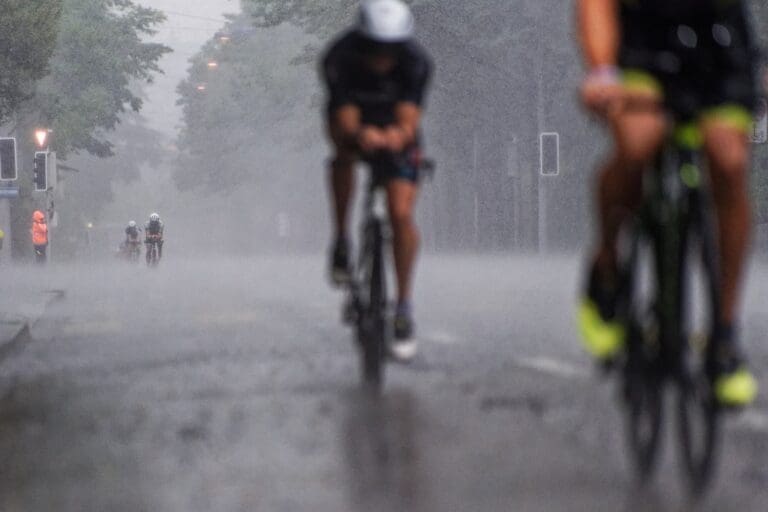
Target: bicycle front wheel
644, 414
373, 321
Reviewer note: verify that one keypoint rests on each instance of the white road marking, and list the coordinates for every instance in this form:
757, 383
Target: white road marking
553, 367
756, 421
440, 337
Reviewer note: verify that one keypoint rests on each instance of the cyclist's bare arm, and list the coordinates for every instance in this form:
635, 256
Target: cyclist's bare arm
599, 36
345, 125
403, 133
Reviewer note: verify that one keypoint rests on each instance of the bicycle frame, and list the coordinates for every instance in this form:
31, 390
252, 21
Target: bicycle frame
368, 287
675, 213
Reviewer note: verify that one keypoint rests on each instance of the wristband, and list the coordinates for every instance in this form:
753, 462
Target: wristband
606, 73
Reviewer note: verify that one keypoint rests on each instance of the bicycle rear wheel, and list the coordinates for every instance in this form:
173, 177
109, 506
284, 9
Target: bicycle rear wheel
699, 430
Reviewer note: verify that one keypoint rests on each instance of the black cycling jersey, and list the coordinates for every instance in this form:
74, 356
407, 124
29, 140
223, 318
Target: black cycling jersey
704, 56
682, 10
154, 228
132, 232
350, 82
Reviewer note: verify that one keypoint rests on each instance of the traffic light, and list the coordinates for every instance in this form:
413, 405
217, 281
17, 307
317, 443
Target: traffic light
40, 176
7, 158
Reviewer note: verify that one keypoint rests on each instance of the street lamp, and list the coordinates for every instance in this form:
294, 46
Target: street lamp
201, 87
212, 64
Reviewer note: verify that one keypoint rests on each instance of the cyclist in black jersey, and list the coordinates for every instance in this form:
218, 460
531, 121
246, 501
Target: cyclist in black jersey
698, 60
376, 75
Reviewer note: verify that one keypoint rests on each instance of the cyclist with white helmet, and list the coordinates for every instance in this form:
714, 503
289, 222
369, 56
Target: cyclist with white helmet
153, 231
376, 75
132, 232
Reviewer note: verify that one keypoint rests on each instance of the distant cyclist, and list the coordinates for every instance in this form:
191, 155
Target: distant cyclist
132, 232
698, 60
377, 75
153, 234
132, 238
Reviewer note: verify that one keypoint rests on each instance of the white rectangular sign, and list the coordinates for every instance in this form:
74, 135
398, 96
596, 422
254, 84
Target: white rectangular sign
549, 154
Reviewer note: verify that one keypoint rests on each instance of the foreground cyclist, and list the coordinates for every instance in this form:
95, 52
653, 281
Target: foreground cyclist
697, 58
377, 76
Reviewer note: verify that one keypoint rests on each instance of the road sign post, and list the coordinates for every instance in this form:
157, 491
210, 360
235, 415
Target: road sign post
759, 134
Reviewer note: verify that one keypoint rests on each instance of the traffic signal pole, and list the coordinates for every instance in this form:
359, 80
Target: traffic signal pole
5, 225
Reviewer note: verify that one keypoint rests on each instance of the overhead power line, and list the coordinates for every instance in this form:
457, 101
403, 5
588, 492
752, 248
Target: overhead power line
192, 16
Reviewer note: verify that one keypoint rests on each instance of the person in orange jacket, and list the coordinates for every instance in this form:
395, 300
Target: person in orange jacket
39, 235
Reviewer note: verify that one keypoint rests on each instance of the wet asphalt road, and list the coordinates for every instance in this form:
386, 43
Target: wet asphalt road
231, 386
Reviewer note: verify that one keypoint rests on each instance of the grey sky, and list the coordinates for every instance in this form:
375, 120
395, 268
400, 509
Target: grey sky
188, 26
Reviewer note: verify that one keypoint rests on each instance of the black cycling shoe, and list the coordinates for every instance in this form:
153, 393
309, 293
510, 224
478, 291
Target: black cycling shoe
340, 273
603, 291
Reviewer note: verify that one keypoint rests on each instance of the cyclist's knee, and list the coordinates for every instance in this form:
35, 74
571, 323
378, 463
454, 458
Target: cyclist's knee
638, 138
728, 155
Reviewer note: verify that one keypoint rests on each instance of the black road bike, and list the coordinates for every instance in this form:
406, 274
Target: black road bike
153, 257
367, 306
669, 305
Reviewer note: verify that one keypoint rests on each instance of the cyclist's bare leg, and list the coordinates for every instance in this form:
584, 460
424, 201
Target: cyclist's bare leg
637, 137
727, 150
402, 196
342, 185
343, 128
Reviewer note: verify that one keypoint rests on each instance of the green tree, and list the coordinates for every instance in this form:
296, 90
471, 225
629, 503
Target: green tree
99, 59
100, 62
27, 39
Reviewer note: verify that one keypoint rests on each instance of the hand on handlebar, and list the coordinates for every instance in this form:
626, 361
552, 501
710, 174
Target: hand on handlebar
371, 139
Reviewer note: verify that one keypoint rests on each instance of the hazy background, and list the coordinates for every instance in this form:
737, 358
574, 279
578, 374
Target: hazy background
239, 167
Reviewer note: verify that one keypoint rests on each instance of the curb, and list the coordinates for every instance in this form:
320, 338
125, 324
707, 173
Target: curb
19, 334
19, 327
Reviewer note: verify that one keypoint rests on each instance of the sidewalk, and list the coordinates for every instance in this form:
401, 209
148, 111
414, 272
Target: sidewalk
21, 305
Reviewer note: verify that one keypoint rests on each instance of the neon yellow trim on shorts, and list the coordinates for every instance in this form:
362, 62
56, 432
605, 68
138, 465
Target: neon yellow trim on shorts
636, 80
730, 114
689, 136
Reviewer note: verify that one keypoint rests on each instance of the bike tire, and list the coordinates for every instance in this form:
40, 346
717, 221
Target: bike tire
644, 419
374, 320
699, 431
699, 415
643, 373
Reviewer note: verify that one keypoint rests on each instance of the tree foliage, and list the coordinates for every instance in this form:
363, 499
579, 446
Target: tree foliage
27, 39
99, 59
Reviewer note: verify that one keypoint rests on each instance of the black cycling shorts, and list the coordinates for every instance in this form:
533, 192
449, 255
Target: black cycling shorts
403, 166
702, 64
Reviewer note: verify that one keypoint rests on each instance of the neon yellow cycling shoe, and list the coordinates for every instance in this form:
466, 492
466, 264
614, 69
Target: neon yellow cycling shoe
736, 389
604, 340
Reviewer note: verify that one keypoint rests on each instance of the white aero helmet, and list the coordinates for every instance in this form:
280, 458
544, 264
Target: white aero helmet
154, 217
386, 21
132, 224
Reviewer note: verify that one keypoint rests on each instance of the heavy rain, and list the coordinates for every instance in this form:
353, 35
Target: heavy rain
201, 360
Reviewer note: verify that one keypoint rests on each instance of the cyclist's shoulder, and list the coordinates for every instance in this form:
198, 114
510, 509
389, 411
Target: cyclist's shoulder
342, 46
417, 55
